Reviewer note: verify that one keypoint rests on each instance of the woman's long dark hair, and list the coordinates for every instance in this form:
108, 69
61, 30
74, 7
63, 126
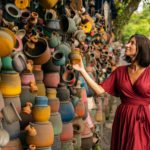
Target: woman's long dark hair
143, 49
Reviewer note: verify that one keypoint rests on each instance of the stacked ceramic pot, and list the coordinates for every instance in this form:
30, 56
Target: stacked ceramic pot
40, 132
51, 81
67, 114
10, 87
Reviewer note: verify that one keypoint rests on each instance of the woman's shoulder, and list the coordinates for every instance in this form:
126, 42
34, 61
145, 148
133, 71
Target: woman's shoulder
121, 68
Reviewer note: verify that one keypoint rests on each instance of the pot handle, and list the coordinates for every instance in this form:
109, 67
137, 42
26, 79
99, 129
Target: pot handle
31, 130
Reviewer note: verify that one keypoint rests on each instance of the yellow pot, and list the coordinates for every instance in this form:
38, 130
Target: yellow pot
48, 3
8, 41
22, 4
41, 113
10, 84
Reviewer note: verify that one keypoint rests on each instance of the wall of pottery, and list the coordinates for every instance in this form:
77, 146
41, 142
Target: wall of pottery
44, 103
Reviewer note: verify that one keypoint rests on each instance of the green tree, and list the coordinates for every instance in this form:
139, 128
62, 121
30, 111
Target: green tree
139, 23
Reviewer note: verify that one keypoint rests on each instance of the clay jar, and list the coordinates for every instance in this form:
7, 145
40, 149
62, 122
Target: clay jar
41, 111
66, 110
69, 77
7, 37
75, 56
62, 92
40, 54
44, 136
57, 143
56, 122
41, 88
50, 67
27, 78
67, 132
51, 80
10, 84
78, 125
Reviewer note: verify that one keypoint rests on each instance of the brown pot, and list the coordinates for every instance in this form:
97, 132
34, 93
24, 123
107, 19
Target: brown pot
44, 136
40, 54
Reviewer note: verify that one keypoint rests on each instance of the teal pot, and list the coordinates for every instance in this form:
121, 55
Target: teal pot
67, 145
57, 143
16, 101
2, 104
67, 132
66, 110
50, 67
56, 121
67, 24
40, 54
54, 104
13, 145
65, 48
63, 92
58, 58
7, 63
87, 143
13, 129
41, 88
19, 62
54, 40
51, 80
27, 96
41, 101
77, 145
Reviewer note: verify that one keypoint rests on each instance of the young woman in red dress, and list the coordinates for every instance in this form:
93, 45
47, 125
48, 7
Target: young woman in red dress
131, 127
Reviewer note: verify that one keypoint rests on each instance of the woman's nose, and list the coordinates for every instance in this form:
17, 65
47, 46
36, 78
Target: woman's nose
127, 45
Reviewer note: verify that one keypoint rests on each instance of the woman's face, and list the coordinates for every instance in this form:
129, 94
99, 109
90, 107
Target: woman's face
130, 48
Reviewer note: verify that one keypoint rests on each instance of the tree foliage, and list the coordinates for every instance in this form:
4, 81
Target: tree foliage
139, 23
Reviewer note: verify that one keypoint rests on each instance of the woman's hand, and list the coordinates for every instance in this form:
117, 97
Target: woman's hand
79, 67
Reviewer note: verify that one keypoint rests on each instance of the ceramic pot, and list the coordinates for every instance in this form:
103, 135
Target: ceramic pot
13, 129
10, 84
27, 96
48, 3
56, 121
66, 110
62, 92
67, 132
77, 145
58, 58
10, 113
51, 80
57, 143
19, 62
87, 143
7, 37
78, 125
41, 88
67, 145
40, 54
41, 113
27, 78
15, 100
50, 67
54, 104
13, 145
44, 136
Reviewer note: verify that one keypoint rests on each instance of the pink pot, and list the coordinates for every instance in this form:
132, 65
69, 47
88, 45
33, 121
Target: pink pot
51, 79
27, 78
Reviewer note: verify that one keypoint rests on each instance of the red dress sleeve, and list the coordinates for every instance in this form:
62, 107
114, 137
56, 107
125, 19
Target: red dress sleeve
110, 84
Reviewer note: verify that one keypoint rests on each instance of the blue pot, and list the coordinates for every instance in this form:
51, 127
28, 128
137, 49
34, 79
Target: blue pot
41, 101
66, 110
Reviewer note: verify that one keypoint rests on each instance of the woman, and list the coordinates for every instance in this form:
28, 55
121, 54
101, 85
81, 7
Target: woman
131, 127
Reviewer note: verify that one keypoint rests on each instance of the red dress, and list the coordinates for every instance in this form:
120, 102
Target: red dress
131, 127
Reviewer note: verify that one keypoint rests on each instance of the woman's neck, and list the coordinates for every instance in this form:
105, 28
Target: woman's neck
135, 67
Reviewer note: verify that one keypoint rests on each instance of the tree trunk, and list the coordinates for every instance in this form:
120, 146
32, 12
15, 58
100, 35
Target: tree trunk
124, 17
